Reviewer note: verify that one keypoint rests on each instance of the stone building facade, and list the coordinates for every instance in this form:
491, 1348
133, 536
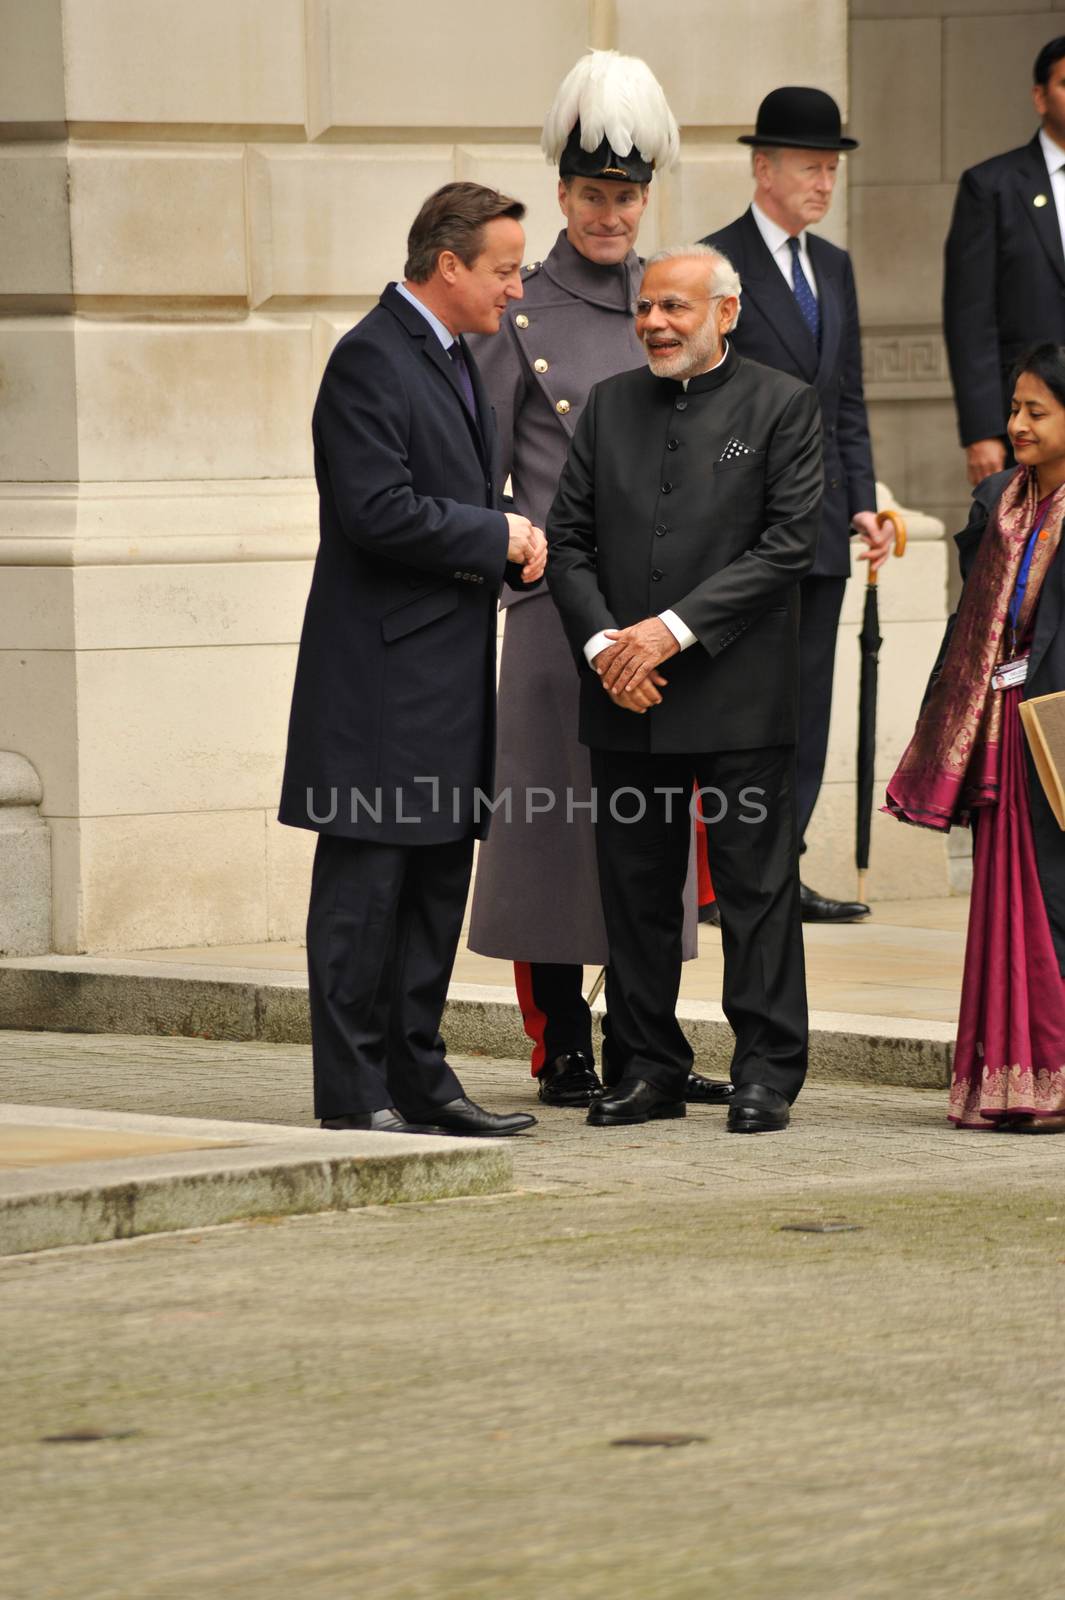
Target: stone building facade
197, 197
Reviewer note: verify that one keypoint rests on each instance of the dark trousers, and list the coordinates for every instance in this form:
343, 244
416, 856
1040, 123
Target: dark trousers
382, 931
642, 865
821, 601
556, 1016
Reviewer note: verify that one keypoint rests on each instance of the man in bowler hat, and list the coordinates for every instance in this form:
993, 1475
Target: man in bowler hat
800, 315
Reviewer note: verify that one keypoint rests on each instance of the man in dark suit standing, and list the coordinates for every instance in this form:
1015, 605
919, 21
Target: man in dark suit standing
685, 518
1004, 278
391, 736
800, 314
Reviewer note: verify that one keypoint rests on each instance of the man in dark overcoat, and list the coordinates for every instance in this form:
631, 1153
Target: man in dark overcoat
536, 897
685, 520
1004, 269
392, 728
800, 314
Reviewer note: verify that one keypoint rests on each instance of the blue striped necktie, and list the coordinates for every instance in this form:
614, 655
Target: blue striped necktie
804, 295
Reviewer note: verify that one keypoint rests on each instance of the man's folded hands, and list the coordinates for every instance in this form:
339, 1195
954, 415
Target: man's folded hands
627, 667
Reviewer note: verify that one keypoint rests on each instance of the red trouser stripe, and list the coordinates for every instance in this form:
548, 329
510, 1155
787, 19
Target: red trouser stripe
531, 1015
702, 863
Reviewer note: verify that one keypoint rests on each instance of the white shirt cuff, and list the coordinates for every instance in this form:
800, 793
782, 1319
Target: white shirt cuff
680, 630
597, 642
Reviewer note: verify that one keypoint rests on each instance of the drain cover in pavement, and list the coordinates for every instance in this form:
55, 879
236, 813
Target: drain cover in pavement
88, 1436
661, 1441
821, 1227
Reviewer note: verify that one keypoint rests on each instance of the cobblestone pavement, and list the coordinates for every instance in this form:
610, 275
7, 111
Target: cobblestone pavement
423, 1401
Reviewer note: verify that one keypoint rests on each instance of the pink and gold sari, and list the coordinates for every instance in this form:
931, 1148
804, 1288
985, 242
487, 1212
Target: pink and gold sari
967, 759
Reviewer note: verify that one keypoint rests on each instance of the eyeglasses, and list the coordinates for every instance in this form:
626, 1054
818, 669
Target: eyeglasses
672, 306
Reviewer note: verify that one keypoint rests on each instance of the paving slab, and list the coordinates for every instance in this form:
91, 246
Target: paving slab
76, 1177
424, 1402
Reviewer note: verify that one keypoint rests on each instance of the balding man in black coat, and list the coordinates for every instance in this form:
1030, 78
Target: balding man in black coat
392, 729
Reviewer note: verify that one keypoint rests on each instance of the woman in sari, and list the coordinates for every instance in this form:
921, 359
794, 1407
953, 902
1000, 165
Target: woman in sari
968, 762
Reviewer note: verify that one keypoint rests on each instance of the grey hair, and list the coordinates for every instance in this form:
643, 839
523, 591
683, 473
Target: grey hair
771, 152
724, 279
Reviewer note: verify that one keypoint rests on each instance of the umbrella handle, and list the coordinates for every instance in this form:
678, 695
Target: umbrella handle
898, 522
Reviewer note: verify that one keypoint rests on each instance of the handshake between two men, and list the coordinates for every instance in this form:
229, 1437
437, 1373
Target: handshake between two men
527, 547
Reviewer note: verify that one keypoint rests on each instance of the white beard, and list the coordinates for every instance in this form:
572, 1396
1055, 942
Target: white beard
697, 352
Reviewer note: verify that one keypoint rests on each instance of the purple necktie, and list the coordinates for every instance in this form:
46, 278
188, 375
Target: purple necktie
462, 372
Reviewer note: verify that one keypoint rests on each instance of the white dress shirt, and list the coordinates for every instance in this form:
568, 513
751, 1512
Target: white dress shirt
776, 241
680, 630
1054, 156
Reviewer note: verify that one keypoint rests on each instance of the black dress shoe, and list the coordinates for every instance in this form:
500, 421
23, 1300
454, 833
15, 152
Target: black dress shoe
386, 1121
634, 1100
463, 1118
816, 908
710, 915
757, 1109
700, 1091
568, 1081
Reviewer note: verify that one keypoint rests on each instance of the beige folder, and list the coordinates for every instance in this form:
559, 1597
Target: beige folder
1044, 723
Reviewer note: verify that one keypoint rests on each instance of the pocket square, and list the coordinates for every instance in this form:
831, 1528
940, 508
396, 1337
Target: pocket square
736, 447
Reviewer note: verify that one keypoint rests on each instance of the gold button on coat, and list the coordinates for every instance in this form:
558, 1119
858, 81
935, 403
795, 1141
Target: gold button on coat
562, 406
540, 365
1040, 200
521, 320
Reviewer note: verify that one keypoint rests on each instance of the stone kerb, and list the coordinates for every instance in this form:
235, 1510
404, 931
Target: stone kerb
25, 861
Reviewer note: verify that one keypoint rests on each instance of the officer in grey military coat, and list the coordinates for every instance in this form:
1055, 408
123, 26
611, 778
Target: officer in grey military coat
536, 899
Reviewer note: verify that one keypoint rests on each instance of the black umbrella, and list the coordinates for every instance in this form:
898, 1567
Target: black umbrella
869, 642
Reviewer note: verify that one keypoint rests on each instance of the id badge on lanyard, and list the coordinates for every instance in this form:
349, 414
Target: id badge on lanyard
1010, 674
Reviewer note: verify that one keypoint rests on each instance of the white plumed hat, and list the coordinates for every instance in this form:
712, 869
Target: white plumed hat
610, 119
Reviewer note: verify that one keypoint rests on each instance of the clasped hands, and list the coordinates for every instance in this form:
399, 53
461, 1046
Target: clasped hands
626, 668
527, 547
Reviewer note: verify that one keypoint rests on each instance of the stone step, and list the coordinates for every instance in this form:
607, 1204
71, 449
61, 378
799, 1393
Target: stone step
102, 994
86, 1177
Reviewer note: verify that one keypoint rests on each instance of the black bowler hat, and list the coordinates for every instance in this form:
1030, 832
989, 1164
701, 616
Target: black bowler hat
804, 119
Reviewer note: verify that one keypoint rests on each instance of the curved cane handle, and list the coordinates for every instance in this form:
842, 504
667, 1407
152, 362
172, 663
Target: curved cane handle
898, 522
